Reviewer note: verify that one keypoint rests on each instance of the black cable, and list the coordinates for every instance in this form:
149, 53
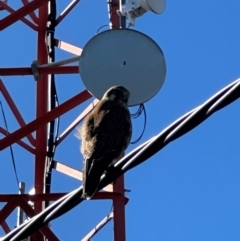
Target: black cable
11, 150
134, 158
99, 227
123, 18
137, 114
58, 122
51, 147
38, 216
192, 120
105, 25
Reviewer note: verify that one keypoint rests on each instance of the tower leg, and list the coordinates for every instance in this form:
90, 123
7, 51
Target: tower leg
119, 211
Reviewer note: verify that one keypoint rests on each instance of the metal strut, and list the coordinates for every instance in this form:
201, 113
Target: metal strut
52, 99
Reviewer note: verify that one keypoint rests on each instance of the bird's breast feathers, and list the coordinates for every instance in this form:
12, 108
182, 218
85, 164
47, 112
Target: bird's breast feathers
108, 127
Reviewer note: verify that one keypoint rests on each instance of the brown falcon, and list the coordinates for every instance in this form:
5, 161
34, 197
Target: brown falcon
105, 134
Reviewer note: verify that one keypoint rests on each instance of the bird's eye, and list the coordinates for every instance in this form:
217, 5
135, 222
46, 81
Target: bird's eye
124, 97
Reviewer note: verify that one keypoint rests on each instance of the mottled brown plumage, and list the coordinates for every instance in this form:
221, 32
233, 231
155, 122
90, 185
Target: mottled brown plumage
105, 134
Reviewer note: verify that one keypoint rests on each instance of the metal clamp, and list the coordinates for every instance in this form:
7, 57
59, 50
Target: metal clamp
35, 72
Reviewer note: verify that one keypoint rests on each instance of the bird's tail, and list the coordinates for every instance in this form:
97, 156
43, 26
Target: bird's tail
91, 179
90, 188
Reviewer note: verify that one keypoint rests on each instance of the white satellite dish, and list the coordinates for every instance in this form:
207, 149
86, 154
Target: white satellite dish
123, 57
156, 6
136, 8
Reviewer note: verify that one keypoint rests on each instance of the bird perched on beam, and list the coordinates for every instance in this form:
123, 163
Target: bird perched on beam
105, 134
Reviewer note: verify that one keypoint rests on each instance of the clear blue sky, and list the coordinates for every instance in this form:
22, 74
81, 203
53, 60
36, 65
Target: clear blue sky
189, 190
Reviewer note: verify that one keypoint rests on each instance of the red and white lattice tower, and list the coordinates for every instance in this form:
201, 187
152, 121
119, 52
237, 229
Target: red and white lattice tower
35, 132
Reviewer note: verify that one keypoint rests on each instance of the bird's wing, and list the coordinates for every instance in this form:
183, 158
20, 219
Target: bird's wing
112, 130
106, 133
87, 136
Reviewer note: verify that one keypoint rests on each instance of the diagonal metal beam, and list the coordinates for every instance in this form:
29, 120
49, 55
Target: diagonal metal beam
14, 110
94, 231
46, 231
11, 10
5, 227
44, 119
66, 11
76, 121
20, 142
20, 13
74, 173
7, 209
32, 15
